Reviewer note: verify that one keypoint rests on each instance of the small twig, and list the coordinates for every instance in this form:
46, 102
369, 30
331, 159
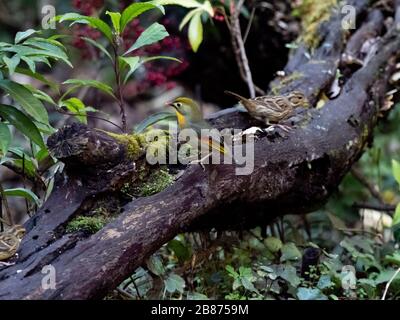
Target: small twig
371, 188
378, 207
246, 34
90, 116
355, 230
389, 283
4, 200
119, 95
240, 51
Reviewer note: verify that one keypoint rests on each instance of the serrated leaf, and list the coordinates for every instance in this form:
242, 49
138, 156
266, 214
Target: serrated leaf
174, 283
5, 138
152, 34
310, 294
23, 35
115, 19
22, 123
26, 99
195, 32
231, 271
134, 10
99, 46
21, 192
11, 63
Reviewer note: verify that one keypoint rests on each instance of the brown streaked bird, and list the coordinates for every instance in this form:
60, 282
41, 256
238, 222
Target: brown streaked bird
10, 241
272, 109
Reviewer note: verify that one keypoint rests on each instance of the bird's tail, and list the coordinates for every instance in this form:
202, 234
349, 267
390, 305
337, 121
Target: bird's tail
237, 96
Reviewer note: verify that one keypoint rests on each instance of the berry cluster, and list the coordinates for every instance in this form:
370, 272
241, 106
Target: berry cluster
161, 72
87, 51
87, 7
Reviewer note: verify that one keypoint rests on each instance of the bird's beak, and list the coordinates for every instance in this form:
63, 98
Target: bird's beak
169, 104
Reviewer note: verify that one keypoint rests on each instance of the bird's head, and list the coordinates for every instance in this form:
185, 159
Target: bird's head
298, 99
187, 110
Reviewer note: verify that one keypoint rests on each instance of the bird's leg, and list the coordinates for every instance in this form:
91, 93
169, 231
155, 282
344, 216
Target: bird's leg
284, 127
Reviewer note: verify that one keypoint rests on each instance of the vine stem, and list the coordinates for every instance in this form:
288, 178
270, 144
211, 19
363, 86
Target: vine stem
118, 92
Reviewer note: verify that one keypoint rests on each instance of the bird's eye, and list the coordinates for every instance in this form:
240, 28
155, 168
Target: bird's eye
179, 104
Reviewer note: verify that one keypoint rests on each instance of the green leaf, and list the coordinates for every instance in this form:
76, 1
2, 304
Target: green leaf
289, 274
182, 3
30, 63
231, 271
290, 252
39, 77
195, 31
25, 193
396, 170
174, 283
181, 251
154, 264
115, 19
396, 217
154, 118
187, 18
152, 34
91, 21
273, 244
38, 54
22, 123
148, 59
23, 35
386, 275
11, 63
75, 106
5, 138
26, 99
99, 46
132, 62
324, 282
134, 10
51, 47
91, 83
310, 294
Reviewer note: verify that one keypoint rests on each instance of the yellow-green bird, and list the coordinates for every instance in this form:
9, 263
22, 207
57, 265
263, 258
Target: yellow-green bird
189, 115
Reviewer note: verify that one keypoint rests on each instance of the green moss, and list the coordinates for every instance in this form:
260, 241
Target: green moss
312, 13
88, 224
156, 182
135, 143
